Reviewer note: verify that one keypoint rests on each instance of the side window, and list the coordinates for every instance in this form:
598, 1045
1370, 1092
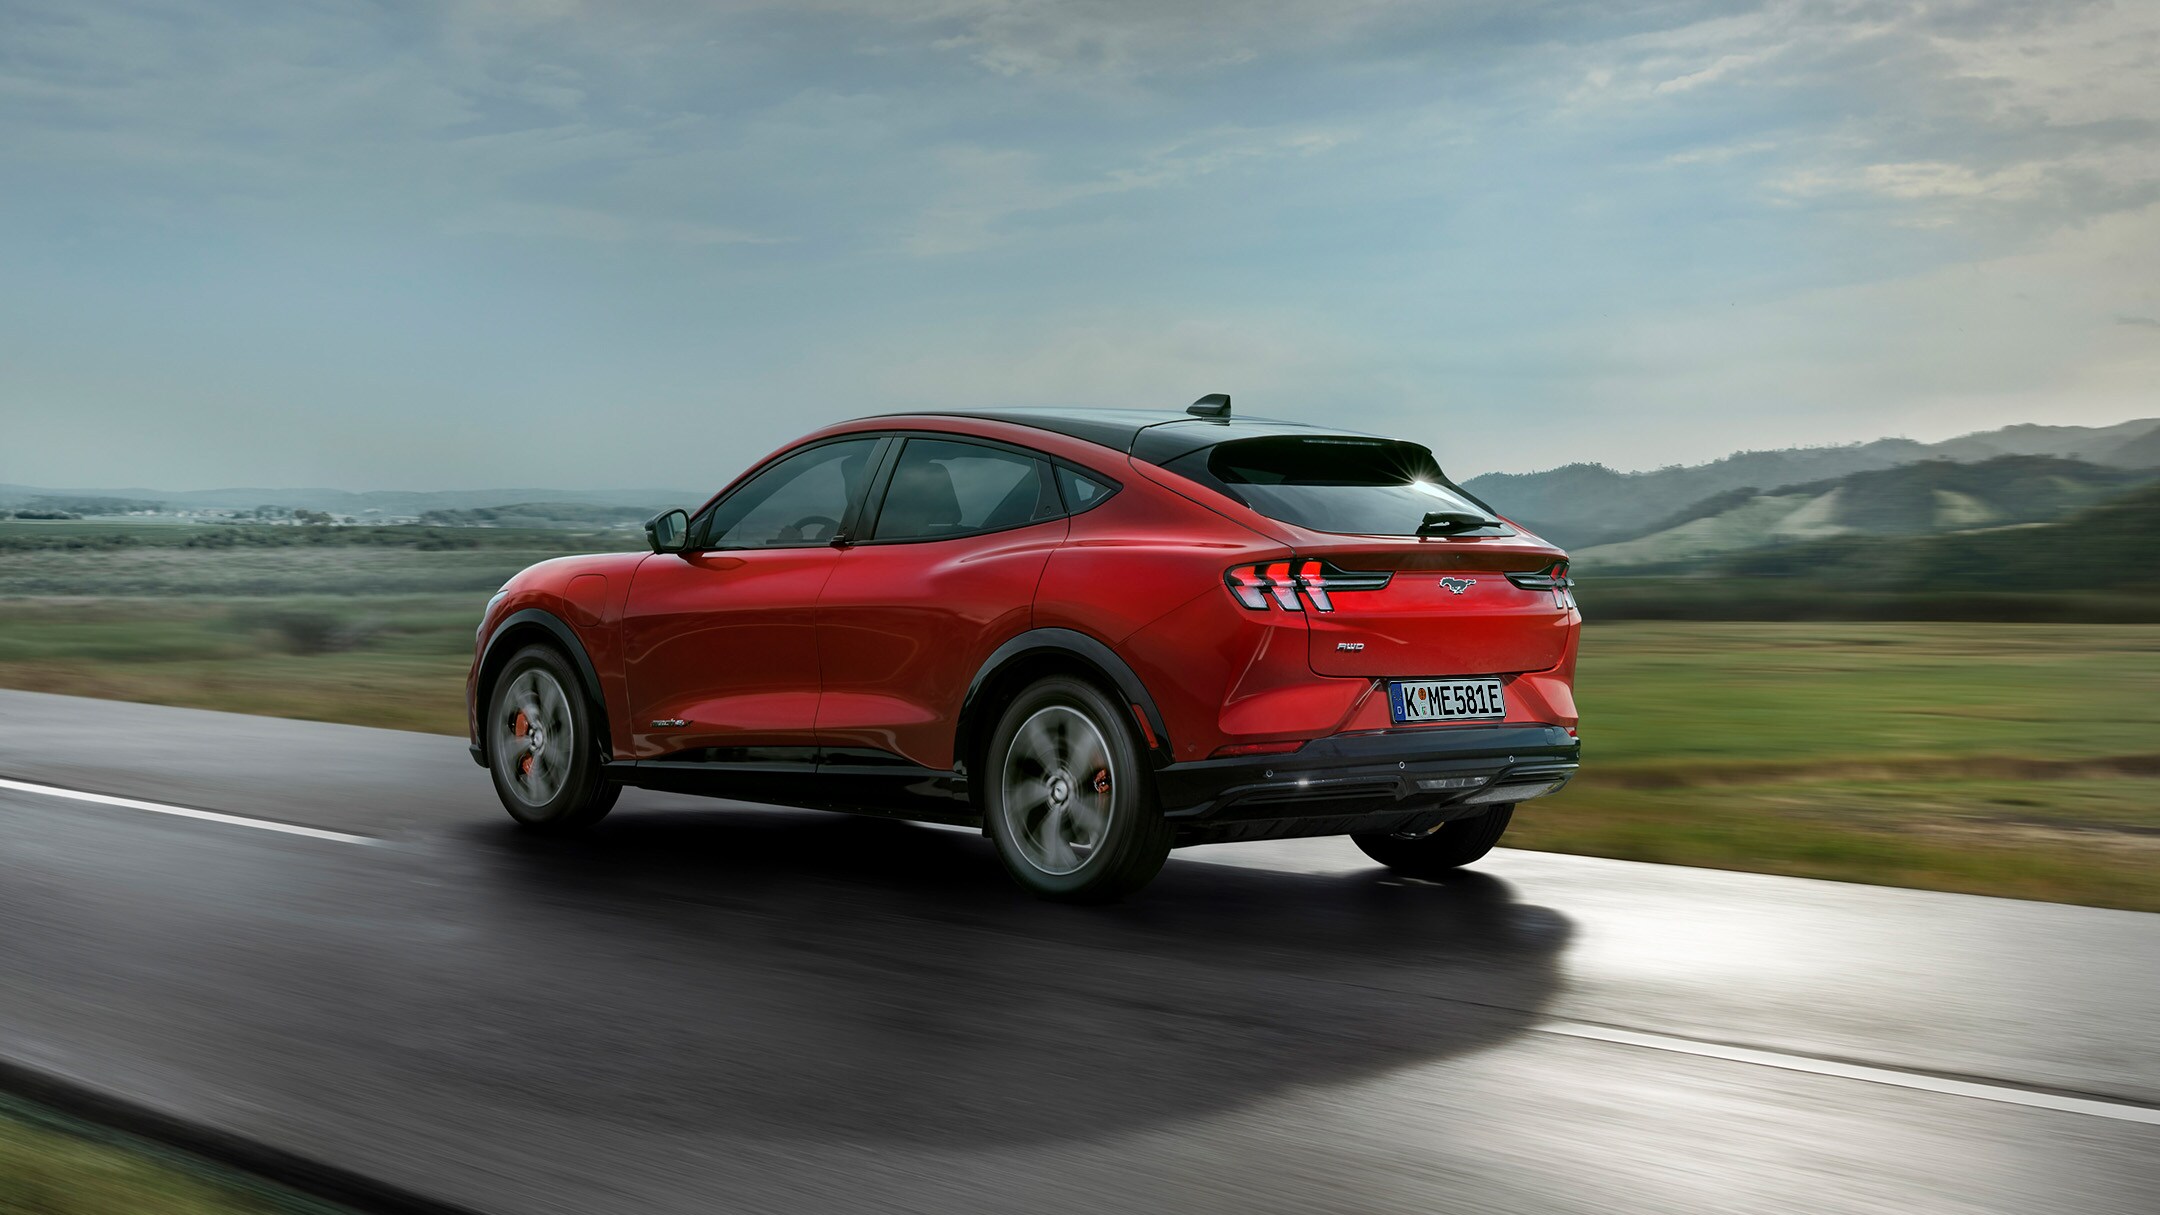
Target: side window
798, 501
943, 488
1081, 491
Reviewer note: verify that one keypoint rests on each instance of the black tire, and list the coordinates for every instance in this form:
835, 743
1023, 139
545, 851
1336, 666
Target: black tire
547, 766
1105, 822
1450, 846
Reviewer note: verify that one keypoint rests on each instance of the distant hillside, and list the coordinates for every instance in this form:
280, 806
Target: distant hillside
1932, 496
1585, 505
2112, 547
2115, 446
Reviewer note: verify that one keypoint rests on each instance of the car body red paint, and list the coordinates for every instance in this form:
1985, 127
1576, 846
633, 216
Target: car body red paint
855, 672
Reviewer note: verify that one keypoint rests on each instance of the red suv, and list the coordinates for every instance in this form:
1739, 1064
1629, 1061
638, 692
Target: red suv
1094, 634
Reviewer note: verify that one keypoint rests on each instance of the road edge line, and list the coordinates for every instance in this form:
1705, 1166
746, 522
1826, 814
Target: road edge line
1927, 1082
208, 816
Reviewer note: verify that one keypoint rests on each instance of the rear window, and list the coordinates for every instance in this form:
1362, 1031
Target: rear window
1365, 487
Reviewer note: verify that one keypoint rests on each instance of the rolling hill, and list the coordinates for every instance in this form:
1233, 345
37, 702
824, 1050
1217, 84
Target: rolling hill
2111, 547
1930, 497
1581, 506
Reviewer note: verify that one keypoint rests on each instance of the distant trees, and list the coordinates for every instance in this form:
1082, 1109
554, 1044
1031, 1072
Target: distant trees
541, 515
75, 506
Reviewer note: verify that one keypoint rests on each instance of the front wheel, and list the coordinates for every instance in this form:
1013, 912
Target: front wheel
542, 748
1451, 845
1067, 798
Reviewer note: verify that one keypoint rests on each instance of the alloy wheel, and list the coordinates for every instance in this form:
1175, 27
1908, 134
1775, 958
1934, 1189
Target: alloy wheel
1057, 786
534, 736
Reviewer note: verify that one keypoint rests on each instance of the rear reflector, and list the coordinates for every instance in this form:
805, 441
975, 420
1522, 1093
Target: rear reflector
1437, 783
1147, 728
1513, 793
1233, 750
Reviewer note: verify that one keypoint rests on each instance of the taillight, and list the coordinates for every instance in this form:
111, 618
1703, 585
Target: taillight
1248, 585
1254, 585
1314, 581
1552, 578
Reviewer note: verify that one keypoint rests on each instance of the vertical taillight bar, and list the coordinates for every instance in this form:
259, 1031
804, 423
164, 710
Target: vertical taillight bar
1247, 586
1314, 582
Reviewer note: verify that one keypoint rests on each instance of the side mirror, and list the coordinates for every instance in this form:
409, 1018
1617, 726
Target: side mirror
668, 531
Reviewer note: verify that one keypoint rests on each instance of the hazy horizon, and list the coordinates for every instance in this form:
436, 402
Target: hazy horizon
544, 243
633, 488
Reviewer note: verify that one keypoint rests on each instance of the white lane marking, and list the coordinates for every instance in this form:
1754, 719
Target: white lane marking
208, 816
2004, 1093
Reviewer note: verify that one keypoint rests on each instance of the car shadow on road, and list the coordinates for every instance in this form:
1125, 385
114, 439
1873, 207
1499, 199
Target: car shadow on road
797, 975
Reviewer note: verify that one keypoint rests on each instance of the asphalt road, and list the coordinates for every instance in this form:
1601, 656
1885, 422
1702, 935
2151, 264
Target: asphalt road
705, 1007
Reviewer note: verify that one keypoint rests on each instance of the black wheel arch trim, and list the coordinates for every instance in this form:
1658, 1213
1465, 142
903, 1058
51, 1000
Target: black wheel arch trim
1072, 643
494, 655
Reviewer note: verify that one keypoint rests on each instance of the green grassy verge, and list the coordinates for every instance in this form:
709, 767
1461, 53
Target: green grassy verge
396, 661
54, 1166
2095, 842
2017, 760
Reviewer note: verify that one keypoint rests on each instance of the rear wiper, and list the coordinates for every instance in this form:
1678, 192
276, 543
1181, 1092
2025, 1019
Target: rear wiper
1451, 522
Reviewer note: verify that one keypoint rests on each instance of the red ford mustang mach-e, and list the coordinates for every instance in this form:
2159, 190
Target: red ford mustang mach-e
1095, 634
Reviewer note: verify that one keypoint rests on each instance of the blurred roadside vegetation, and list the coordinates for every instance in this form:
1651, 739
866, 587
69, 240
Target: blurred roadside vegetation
1821, 737
51, 1165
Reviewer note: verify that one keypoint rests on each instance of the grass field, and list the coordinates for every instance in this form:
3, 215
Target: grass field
2015, 759
53, 1166
2019, 760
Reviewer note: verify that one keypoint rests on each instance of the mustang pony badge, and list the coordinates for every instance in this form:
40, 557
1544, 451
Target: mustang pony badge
1458, 585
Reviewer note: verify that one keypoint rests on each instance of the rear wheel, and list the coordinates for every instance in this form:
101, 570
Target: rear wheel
542, 745
1448, 846
1067, 798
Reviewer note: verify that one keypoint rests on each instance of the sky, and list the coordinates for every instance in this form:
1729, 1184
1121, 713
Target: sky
486, 243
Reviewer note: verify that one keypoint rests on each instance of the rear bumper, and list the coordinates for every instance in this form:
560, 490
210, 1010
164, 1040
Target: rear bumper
1441, 772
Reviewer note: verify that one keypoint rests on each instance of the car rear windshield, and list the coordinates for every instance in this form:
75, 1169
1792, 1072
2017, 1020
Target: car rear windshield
1357, 486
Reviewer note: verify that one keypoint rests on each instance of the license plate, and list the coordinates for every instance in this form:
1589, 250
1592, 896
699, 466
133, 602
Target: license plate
1419, 700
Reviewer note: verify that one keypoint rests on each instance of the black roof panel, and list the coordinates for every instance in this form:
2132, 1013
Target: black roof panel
1152, 435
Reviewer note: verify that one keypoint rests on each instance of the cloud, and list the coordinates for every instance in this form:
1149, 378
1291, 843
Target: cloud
1920, 180
1724, 66
986, 189
1669, 229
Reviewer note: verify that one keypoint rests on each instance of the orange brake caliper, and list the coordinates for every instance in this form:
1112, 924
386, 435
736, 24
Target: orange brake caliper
521, 727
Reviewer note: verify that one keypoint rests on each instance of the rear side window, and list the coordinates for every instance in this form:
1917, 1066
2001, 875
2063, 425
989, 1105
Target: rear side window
1081, 491
943, 488
1365, 487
